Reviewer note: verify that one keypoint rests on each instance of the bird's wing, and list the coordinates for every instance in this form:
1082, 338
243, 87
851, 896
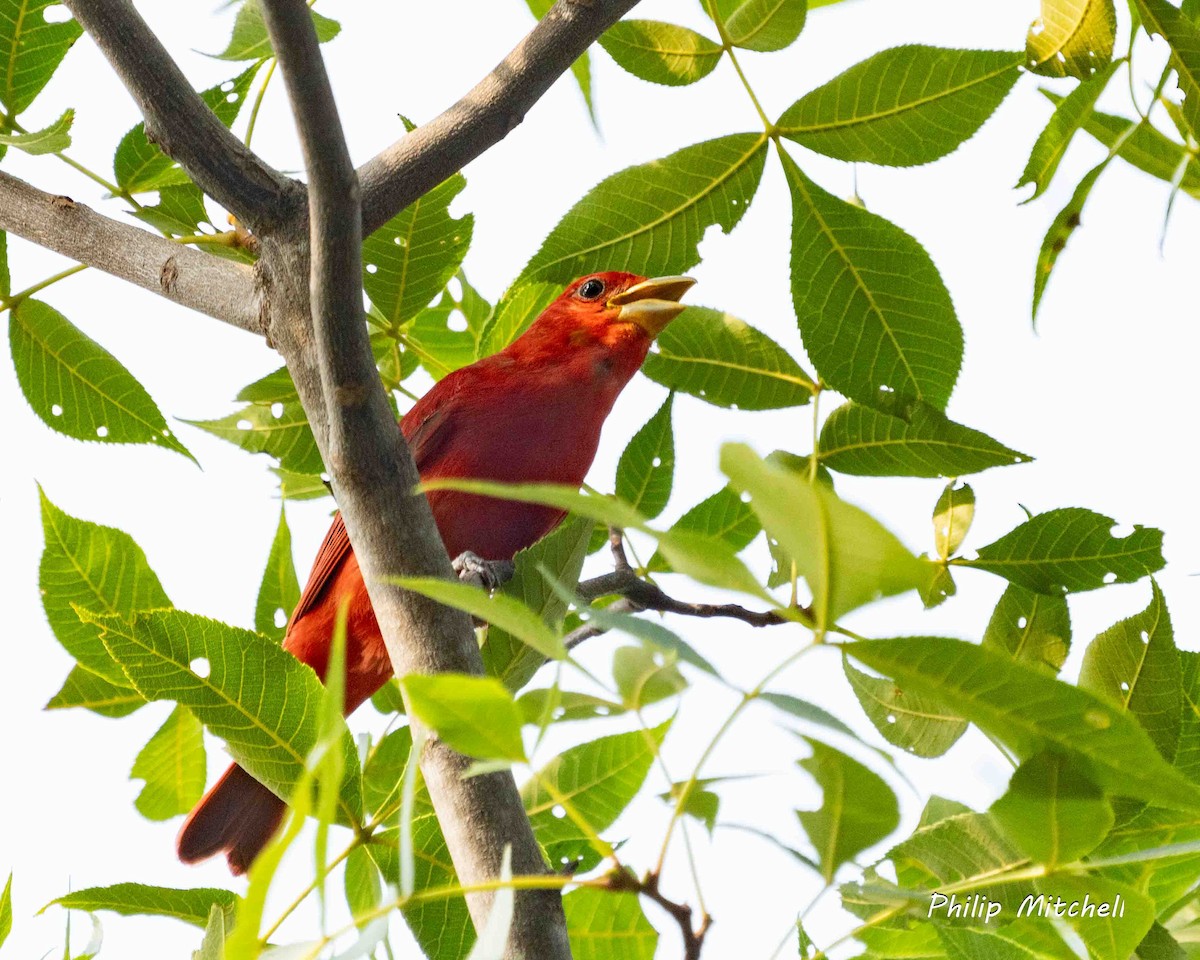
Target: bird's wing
428, 434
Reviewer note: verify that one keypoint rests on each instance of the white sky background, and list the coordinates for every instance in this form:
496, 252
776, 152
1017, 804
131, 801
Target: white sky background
1103, 397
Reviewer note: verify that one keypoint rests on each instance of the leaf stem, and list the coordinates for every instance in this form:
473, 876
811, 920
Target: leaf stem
258, 101
727, 46
16, 298
304, 894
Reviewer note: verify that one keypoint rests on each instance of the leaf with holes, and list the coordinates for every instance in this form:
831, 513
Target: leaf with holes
1030, 627
650, 219
1072, 38
52, 139
762, 25
140, 165
244, 688
603, 925
250, 40
598, 780
279, 591
180, 210
561, 552
86, 566
1052, 810
1183, 35
410, 259
474, 715
917, 441
1070, 550
903, 106
647, 466
1061, 228
847, 557
31, 48
918, 724
441, 339
172, 764
191, 905
77, 387
513, 315
280, 430
1029, 711
724, 516
661, 52
952, 516
725, 361
82, 688
858, 808
873, 311
1072, 112
1135, 664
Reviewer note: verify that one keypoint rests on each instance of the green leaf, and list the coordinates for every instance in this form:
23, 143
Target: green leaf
1063, 226
645, 674
952, 516
725, 361
1187, 757
383, 773
1030, 940
1111, 937
858, 808
724, 516
1030, 627
506, 612
250, 40
872, 308
763, 25
598, 779
1030, 712
918, 441
1158, 944
140, 165
6, 911
846, 556
651, 218
601, 509
913, 722
711, 562
410, 259
560, 706
513, 315
661, 52
647, 466
1134, 663
474, 715
212, 947
1146, 148
1070, 550
279, 591
300, 486
903, 106
1072, 112
361, 882
279, 430
1072, 38
1183, 35
82, 688
31, 48
603, 925
808, 712
243, 687
561, 552
180, 210
51, 139
191, 905
440, 339
76, 386
5, 275
173, 766
1052, 810
86, 566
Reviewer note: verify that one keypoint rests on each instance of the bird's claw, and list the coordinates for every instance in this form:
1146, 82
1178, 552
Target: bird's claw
489, 574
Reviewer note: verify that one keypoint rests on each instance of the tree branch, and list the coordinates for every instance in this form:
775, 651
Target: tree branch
391, 529
220, 288
681, 913
422, 159
181, 123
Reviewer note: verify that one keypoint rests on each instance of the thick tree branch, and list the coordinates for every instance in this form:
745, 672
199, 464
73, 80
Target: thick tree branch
373, 475
421, 160
180, 122
219, 288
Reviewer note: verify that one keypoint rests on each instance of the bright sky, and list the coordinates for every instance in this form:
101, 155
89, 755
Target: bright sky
1102, 396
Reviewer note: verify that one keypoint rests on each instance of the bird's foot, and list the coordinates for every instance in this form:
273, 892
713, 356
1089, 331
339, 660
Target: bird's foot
489, 574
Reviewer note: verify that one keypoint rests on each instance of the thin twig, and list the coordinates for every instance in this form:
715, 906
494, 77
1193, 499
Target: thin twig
419, 161
648, 596
181, 123
681, 913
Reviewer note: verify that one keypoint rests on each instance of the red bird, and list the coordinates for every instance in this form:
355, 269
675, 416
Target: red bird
530, 413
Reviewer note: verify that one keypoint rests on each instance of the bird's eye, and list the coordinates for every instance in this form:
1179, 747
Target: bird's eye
590, 289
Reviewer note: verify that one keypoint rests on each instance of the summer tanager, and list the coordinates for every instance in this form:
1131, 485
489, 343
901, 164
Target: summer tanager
530, 413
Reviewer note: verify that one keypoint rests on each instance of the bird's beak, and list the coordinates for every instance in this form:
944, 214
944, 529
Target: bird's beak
652, 304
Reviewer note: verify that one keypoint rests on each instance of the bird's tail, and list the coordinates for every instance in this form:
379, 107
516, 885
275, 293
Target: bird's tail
238, 815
